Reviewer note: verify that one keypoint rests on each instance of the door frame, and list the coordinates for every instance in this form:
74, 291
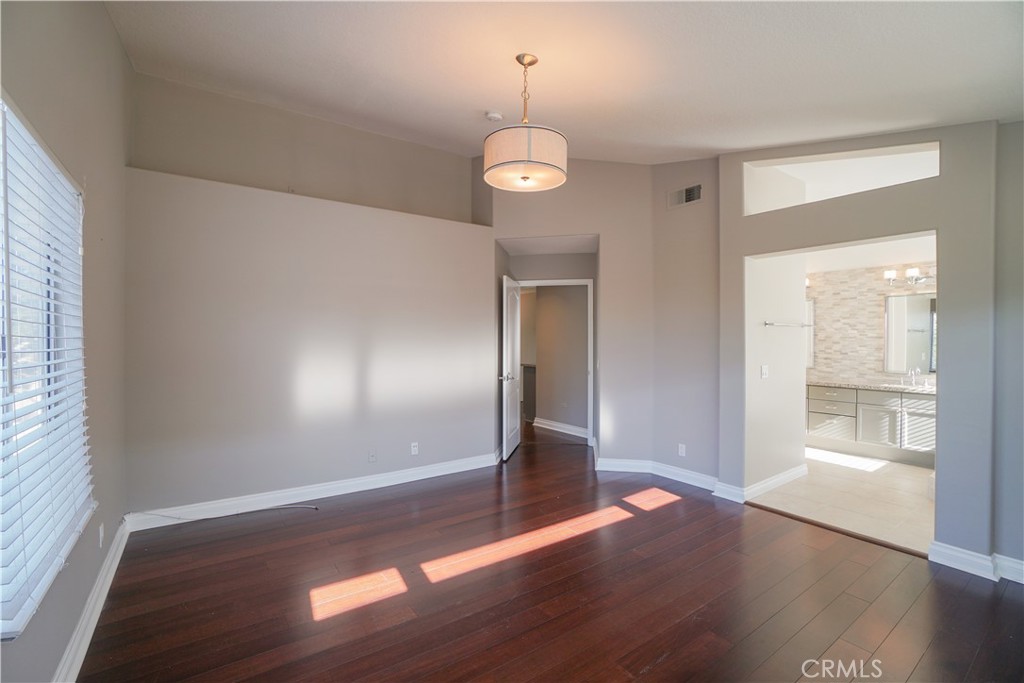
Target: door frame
589, 283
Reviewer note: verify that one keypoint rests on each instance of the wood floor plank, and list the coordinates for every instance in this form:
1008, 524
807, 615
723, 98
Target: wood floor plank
697, 588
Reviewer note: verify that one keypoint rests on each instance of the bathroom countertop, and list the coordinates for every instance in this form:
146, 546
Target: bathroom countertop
908, 389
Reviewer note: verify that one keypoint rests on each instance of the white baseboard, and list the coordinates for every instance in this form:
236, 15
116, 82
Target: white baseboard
151, 519
571, 430
743, 494
1009, 568
74, 654
704, 481
964, 560
497, 454
729, 492
766, 485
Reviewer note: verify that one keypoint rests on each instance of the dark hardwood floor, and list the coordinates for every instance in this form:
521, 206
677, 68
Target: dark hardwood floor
545, 570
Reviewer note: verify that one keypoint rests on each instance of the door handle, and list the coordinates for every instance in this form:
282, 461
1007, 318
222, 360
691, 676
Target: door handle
507, 377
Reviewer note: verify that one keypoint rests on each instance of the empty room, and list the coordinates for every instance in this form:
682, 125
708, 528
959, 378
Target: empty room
406, 341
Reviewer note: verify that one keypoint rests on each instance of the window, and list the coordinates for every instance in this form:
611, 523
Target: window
45, 481
772, 184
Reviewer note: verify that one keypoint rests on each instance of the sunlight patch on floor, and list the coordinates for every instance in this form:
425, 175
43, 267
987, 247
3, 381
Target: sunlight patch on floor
651, 499
853, 461
492, 553
344, 596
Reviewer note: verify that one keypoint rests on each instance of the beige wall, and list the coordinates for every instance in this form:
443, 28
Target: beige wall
613, 201
774, 292
1009, 348
686, 317
274, 340
64, 69
561, 336
849, 323
192, 132
528, 326
959, 206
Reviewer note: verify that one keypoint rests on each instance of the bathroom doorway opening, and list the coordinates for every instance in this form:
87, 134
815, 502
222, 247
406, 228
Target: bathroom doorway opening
842, 378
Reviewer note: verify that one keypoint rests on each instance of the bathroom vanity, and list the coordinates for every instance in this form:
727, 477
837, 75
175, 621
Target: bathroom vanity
886, 421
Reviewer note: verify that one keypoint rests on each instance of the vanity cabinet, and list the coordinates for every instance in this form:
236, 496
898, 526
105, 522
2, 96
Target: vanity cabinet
832, 412
918, 423
888, 424
878, 418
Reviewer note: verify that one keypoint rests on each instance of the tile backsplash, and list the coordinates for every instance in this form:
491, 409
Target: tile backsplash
849, 322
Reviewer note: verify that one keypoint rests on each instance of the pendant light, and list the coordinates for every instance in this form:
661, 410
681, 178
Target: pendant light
525, 157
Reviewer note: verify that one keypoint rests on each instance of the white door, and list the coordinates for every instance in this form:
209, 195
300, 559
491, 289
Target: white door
510, 379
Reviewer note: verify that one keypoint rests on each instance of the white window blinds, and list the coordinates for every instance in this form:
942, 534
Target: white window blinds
46, 489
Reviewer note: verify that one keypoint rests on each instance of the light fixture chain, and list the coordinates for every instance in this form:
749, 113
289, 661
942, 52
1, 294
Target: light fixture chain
526, 94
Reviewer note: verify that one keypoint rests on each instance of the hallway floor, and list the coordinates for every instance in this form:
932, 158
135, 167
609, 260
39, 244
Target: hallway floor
878, 499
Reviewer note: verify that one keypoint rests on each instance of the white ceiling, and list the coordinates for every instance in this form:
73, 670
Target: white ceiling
632, 82
563, 244
920, 249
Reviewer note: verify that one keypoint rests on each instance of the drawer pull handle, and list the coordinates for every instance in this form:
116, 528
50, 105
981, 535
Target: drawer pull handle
831, 393
831, 407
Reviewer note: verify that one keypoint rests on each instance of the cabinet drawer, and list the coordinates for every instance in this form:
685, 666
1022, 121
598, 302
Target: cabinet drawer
832, 394
832, 426
921, 403
889, 399
832, 407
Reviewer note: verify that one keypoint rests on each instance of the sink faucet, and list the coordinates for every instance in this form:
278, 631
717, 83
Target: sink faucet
913, 374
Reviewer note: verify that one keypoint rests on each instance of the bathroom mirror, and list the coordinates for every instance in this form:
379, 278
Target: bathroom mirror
910, 333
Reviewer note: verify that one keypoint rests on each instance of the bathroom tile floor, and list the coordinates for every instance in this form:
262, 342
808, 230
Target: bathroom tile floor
878, 499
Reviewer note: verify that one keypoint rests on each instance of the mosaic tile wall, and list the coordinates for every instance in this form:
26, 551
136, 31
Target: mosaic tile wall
849, 322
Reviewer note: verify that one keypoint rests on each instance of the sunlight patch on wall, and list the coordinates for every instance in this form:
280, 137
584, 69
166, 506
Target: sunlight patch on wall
344, 596
492, 553
417, 374
324, 384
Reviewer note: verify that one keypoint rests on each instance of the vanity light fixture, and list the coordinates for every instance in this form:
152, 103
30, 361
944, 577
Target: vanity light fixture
525, 157
912, 277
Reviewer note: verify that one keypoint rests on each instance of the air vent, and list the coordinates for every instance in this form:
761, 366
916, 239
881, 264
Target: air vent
685, 196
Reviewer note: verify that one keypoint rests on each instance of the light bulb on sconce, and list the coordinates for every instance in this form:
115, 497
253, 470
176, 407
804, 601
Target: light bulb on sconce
911, 276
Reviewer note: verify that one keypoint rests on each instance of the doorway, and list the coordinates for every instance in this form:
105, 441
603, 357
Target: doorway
853, 409
555, 378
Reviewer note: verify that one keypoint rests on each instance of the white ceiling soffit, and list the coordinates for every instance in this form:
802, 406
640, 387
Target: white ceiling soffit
631, 82
873, 254
533, 246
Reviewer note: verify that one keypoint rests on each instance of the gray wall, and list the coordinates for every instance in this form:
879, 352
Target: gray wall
561, 335
686, 317
613, 201
63, 67
264, 327
959, 206
192, 132
1009, 350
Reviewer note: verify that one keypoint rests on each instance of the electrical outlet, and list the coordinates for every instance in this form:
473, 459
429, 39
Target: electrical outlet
101, 536
682, 450
415, 448
764, 372
372, 455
